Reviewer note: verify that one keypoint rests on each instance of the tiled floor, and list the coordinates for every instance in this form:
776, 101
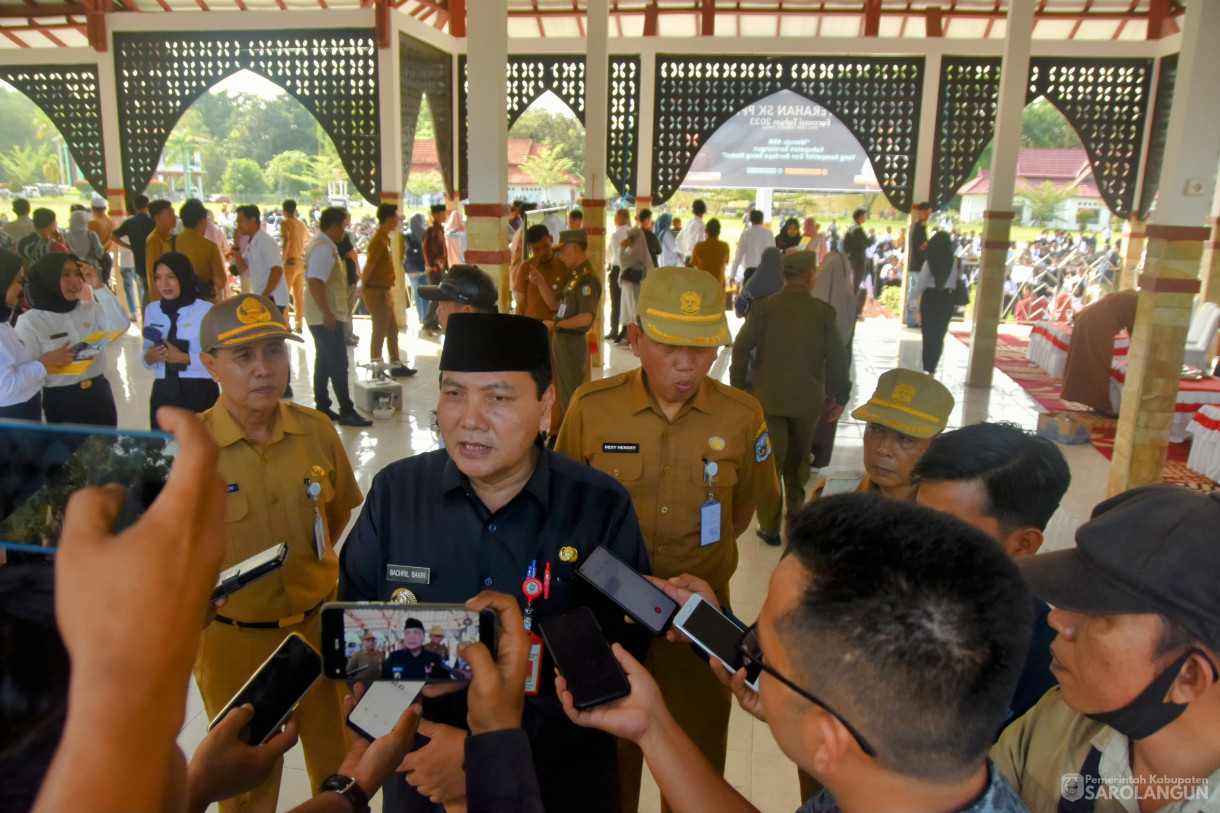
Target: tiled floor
755, 765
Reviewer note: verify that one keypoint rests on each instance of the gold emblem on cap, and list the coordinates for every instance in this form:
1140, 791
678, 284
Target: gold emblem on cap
904, 393
251, 311
317, 472
716, 443
403, 596
690, 303
568, 554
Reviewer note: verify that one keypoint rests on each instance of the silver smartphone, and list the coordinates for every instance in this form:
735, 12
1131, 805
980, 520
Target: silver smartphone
716, 634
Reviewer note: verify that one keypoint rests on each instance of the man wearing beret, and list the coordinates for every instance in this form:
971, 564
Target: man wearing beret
539, 280
800, 368
465, 289
1132, 723
578, 301
289, 480
484, 513
695, 456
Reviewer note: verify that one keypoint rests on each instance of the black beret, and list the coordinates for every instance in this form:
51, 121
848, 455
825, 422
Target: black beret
495, 342
536, 232
413, 623
438, 207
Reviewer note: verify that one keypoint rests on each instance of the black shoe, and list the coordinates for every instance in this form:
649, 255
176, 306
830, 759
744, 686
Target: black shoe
771, 539
401, 371
330, 413
354, 418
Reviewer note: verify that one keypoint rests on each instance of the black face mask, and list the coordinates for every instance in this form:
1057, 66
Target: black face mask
1148, 713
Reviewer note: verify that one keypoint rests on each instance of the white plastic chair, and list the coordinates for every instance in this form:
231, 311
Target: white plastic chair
1201, 338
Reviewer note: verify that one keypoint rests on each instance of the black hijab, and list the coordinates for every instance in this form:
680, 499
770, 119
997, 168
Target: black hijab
785, 241
42, 290
940, 257
188, 283
10, 267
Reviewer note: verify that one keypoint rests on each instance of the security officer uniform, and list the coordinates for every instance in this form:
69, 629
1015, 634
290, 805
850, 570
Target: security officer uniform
425, 535
799, 359
617, 426
276, 493
570, 345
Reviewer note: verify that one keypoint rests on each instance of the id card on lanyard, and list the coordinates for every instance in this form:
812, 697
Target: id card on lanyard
534, 588
709, 513
313, 490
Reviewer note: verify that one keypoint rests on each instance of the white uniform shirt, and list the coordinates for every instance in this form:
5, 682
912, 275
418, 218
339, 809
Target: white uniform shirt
262, 254
754, 241
189, 320
21, 373
620, 234
693, 231
44, 331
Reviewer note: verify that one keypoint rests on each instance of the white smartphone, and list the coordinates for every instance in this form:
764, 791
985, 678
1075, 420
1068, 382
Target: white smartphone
382, 705
714, 633
250, 571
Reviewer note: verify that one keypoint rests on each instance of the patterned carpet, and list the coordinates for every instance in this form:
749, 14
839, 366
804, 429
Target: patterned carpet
1010, 360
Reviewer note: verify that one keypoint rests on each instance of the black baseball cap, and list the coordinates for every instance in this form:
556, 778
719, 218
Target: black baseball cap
465, 284
1148, 550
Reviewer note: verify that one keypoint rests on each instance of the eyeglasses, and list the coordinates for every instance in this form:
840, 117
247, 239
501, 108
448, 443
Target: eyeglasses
751, 651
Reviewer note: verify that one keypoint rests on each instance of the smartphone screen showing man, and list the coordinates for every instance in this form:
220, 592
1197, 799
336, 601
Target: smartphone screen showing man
46, 465
404, 642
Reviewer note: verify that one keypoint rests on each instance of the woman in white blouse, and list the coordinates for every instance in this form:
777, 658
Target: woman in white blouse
21, 370
171, 339
57, 316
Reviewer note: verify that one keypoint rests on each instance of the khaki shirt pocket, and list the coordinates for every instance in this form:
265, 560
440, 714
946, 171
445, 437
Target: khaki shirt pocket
236, 507
724, 480
622, 467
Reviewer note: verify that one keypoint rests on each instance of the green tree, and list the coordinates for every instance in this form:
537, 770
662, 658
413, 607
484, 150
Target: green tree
244, 177
1044, 200
425, 183
292, 172
23, 162
551, 168
179, 149
424, 128
1042, 126
554, 130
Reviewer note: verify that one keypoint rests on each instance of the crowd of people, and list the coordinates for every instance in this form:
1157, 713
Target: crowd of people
916, 650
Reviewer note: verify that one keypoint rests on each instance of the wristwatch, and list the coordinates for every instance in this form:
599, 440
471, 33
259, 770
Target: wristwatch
349, 789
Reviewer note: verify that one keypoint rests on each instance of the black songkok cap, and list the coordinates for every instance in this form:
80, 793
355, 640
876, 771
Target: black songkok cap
495, 342
536, 232
437, 208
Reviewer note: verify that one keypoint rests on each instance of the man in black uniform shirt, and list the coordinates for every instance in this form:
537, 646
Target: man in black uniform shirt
412, 662
483, 513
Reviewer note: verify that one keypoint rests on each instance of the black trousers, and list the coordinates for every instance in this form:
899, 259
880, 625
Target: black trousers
432, 320
89, 402
30, 410
195, 394
616, 300
330, 365
935, 310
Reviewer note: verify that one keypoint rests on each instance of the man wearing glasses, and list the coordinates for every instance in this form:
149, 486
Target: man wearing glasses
890, 641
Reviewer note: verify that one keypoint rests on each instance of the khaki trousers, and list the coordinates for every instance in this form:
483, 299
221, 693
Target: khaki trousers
791, 439
294, 274
228, 656
380, 302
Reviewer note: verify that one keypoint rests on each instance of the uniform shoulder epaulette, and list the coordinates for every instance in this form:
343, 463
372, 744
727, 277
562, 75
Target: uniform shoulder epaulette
307, 413
741, 396
602, 384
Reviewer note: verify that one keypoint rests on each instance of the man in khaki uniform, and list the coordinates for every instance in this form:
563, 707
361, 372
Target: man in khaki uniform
539, 280
907, 410
377, 283
695, 456
292, 243
287, 475
436, 643
159, 241
203, 253
365, 664
577, 304
800, 367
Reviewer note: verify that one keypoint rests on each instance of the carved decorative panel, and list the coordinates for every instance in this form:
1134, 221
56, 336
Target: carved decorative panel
426, 71
68, 95
622, 149
530, 76
332, 73
965, 120
1160, 128
877, 98
1106, 102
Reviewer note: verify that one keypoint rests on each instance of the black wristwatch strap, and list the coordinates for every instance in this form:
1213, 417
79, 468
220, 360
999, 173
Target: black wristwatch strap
349, 789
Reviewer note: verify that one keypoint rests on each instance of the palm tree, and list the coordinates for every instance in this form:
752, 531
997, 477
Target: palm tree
24, 163
182, 143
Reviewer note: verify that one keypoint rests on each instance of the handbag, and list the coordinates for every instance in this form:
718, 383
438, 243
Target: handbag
961, 292
631, 275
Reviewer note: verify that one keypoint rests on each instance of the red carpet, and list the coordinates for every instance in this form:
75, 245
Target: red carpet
1010, 360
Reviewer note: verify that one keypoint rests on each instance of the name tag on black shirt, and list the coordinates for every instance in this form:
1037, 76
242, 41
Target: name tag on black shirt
408, 574
621, 448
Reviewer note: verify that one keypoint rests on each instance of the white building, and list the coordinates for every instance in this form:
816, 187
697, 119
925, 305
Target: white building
1064, 168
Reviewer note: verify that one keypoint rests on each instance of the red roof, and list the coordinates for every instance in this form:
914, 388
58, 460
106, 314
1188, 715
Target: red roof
423, 159
1067, 168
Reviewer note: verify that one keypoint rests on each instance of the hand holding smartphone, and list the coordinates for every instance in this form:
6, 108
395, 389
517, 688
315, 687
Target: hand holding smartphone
634, 594
584, 659
714, 633
276, 688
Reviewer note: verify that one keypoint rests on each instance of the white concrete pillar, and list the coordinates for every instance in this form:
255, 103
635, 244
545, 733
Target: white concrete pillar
997, 220
487, 134
648, 95
112, 150
597, 100
389, 115
923, 164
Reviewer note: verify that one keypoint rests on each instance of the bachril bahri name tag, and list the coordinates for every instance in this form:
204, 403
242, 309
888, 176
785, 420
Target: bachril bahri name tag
408, 574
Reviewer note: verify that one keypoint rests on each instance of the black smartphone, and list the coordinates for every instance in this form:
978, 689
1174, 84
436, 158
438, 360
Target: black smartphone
584, 658
250, 571
44, 465
638, 597
363, 641
275, 689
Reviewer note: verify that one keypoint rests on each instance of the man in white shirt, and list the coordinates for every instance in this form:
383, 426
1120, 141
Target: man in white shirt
694, 231
261, 259
754, 241
622, 225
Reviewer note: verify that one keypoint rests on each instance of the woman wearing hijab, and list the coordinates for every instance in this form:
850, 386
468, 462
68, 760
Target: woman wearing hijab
934, 291
57, 315
670, 256
789, 237
84, 243
171, 339
413, 260
766, 280
22, 370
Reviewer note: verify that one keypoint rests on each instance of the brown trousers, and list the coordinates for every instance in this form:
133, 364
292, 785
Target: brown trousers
380, 302
294, 274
